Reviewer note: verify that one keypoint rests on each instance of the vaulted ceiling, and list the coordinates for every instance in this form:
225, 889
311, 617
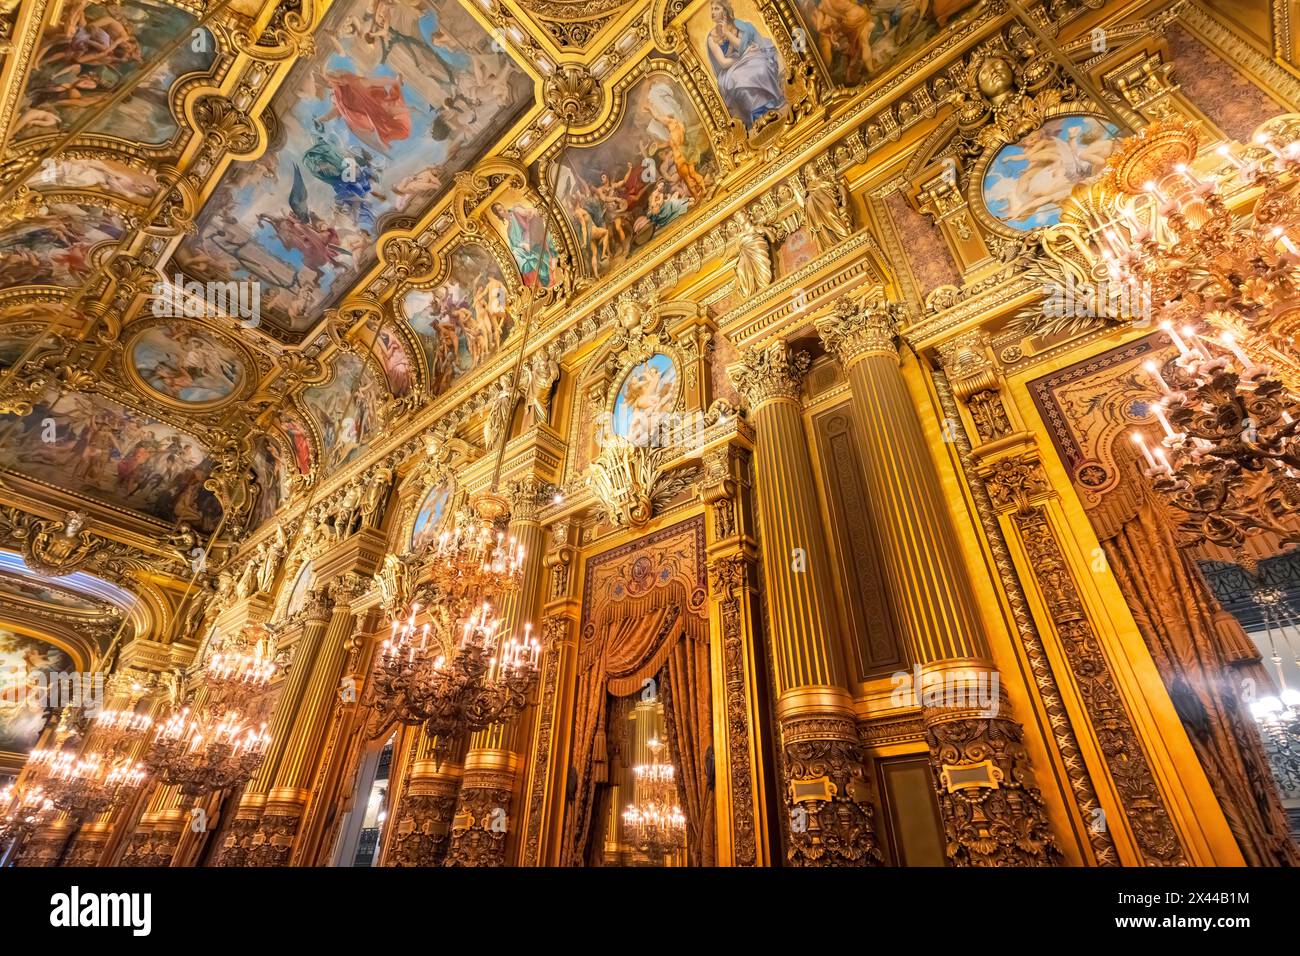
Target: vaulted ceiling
245, 236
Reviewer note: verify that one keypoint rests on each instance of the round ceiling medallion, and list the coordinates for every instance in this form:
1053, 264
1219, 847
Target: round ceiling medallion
186, 363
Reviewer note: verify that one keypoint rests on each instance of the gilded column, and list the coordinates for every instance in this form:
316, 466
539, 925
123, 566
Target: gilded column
827, 797
483, 811
422, 823
993, 812
290, 790
546, 788
238, 844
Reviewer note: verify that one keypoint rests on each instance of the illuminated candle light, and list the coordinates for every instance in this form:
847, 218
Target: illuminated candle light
1146, 452
1154, 371
1231, 157
1168, 329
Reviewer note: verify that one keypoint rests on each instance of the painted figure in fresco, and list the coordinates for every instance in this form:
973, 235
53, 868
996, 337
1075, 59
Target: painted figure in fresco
462, 321
26, 667
394, 101
530, 243
860, 38
1028, 180
178, 360
91, 51
655, 167
648, 393
305, 232
745, 66
668, 125
120, 455
397, 365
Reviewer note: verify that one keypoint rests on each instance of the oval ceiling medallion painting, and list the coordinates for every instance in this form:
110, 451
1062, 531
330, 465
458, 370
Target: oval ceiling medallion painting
185, 363
1029, 179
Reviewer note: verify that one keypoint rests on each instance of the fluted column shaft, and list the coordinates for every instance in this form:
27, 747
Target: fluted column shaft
291, 784
826, 795
927, 581
796, 568
252, 802
993, 812
483, 815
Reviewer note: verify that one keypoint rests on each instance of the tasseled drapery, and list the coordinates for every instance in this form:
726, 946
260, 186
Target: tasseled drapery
650, 638
1195, 649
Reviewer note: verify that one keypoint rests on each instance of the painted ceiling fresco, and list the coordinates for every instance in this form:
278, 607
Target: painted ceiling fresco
372, 127
400, 96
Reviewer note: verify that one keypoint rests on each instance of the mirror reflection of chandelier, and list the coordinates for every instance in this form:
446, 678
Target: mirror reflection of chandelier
1278, 717
217, 741
654, 822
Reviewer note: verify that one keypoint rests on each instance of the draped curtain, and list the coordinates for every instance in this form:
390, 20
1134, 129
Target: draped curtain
637, 640
1195, 646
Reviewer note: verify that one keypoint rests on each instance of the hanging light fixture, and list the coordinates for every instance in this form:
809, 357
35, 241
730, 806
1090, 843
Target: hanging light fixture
654, 822
23, 809
484, 682
218, 740
1229, 456
84, 784
459, 673
1216, 247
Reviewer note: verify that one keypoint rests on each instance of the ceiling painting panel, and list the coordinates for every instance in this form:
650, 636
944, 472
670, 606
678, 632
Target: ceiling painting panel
57, 244
96, 447
626, 189
346, 409
94, 49
399, 97
463, 320
26, 666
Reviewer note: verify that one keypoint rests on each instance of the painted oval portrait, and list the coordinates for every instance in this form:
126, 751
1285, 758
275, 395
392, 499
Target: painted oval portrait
1029, 179
648, 392
429, 518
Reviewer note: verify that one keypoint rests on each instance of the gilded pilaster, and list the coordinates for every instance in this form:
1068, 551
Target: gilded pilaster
238, 843
742, 754
828, 802
543, 813
290, 789
993, 812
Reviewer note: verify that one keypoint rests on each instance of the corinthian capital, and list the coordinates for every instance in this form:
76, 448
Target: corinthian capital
769, 373
857, 330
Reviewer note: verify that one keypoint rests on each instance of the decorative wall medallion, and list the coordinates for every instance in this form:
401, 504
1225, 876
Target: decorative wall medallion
186, 363
428, 519
648, 391
1027, 181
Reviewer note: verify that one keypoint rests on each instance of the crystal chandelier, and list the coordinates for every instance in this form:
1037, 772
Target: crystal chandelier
84, 784
470, 562
458, 673
218, 741
485, 682
23, 809
1179, 237
654, 822
1229, 456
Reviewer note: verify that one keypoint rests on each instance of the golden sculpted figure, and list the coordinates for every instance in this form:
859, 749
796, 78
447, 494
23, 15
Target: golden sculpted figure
751, 256
824, 207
